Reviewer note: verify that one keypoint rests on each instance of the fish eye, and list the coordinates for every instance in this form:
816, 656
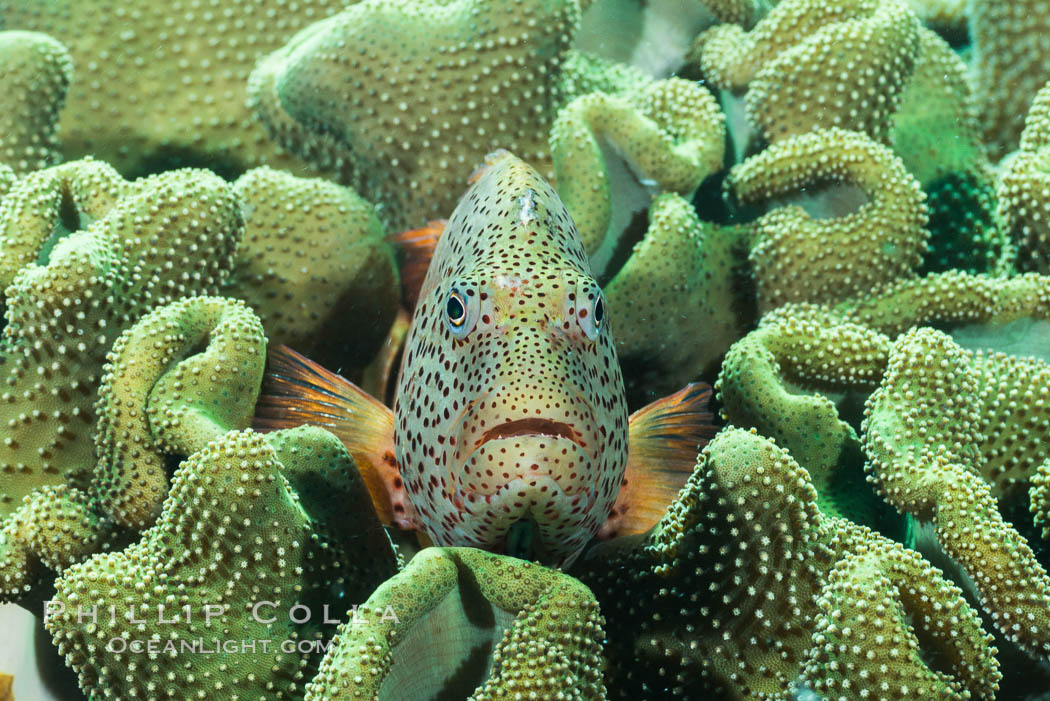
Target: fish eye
590, 308
461, 309
456, 310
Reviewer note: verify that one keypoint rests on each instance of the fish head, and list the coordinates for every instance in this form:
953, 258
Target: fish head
511, 418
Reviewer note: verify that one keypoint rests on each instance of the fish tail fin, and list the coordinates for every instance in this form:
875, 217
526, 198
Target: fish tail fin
298, 391
417, 250
664, 439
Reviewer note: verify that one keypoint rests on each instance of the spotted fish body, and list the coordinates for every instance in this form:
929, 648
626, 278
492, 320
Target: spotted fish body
517, 415
510, 429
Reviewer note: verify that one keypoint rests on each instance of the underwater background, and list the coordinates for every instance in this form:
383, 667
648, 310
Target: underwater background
836, 214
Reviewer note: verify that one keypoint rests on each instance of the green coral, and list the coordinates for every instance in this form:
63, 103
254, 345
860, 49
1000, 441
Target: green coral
274, 521
163, 85
42, 207
35, 72
314, 265
1039, 498
430, 631
936, 135
1010, 63
172, 237
746, 588
948, 432
810, 64
943, 427
951, 299
412, 150
88, 254
181, 377
682, 264
778, 378
1024, 190
500, 72
805, 346
670, 133
796, 257
55, 527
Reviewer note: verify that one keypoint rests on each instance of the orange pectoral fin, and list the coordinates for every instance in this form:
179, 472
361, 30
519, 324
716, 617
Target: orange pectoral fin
417, 249
298, 391
663, 441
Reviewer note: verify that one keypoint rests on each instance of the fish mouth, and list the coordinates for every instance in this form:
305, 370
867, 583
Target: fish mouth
531, 427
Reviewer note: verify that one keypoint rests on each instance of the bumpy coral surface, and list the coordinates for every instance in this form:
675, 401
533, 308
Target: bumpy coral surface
498, 72
1024, 190
683, 264
490, 66
171, 238
47, 204
35, 71
745, 589
670, 132
429, 631
253, 527
804, 346
951, 299
161, 85
792, 255
937, 136
848, 348
73, 290
737, 11
314, 265
179, 378
949, 432
1011, 61
731, 56
810, 64
54, 528
939, 429
1040, 498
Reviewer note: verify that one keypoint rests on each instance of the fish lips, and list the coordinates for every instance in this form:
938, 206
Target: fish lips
531, 427
531, 449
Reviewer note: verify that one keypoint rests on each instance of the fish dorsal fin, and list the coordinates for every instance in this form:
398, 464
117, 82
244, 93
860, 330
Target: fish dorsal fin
417, 250
297, 391
663, 441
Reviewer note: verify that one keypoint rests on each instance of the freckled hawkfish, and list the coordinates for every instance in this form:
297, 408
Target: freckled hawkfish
510, 429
